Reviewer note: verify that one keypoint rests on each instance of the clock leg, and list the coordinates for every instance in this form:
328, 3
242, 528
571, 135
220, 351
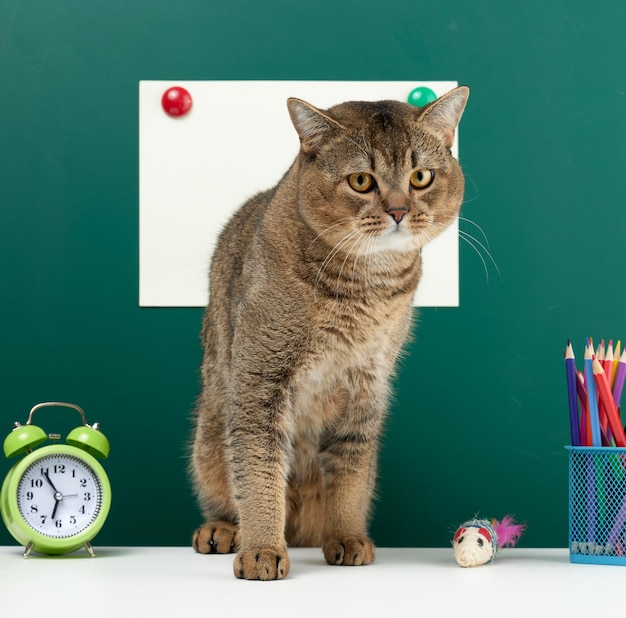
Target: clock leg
28, 549
89, 548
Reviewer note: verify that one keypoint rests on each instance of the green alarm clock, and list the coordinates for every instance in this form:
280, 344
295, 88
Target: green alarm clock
56, 498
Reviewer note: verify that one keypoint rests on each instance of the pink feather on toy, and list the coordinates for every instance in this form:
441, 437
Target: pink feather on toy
507, 531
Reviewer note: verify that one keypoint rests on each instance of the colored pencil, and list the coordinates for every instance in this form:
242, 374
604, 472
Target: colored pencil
570, 372
592, 400
616, 356
606, 397
613, 538
618, 382
592, 500
604, 420
584, 434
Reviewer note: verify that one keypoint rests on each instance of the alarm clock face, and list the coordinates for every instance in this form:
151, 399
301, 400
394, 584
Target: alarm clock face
59, 495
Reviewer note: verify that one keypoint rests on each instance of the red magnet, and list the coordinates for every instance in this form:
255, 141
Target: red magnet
176, 101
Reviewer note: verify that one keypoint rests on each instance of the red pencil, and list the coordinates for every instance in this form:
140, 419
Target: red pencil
605, 395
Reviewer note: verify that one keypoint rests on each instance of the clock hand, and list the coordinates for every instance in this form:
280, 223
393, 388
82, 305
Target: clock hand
45, 475
58, 496
56, 505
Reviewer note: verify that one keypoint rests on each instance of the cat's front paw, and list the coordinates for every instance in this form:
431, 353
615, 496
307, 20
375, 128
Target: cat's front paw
218, 537
263, 564
349, 551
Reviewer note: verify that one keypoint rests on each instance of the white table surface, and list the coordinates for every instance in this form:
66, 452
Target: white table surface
150, 582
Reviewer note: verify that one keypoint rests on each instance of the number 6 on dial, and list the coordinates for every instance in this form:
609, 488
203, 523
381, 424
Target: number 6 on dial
56, 498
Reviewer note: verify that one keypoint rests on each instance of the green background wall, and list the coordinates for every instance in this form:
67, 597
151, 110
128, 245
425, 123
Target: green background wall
480, 418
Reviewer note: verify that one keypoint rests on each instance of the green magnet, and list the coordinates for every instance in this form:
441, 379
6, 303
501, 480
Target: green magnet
421, 96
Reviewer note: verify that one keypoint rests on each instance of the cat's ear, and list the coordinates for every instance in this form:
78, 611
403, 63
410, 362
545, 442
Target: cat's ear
313, 126
444, 114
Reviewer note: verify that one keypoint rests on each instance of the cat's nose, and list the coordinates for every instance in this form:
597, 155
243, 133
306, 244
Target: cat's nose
397, 213
396, 206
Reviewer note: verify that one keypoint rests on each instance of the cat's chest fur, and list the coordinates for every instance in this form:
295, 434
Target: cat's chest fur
346, 359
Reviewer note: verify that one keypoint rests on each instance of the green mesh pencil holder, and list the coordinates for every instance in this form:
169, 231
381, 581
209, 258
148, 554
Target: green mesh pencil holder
597, 505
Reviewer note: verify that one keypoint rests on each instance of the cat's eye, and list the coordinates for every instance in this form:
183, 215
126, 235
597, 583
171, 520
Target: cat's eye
361, 182
422, 178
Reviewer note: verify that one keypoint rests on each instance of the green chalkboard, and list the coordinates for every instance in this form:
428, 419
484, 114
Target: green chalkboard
479, 420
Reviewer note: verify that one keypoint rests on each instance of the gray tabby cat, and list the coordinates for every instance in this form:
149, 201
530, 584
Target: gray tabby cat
311, 289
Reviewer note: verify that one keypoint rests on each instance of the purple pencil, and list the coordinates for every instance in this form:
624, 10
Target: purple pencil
570, 372
584, 416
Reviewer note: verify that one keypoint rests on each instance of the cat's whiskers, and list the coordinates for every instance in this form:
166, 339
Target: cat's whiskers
331, 227
359, 240
363, 252
418, 226
425, 233
331, 255
468, 238
476, 244
360, 257
369, 256
476, 226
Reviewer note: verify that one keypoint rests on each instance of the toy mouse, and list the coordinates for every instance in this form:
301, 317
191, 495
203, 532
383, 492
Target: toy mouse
476, 541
